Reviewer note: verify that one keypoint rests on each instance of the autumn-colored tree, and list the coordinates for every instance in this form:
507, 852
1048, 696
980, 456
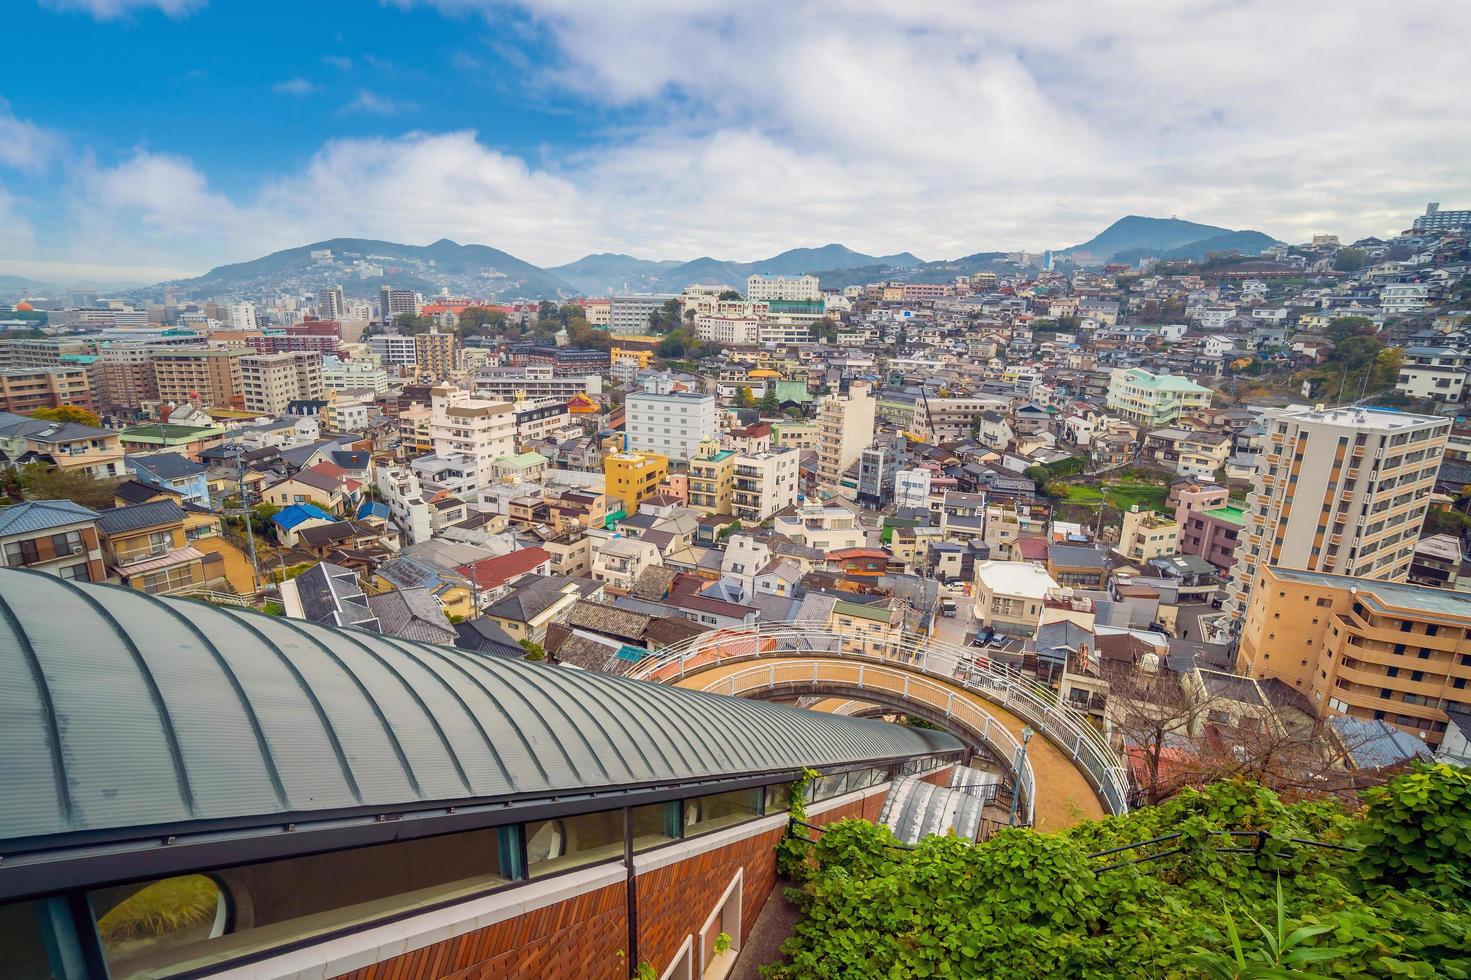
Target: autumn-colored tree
67, 413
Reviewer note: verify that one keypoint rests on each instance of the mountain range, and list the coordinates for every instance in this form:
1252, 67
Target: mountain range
361, 266
1136, 237
606, 273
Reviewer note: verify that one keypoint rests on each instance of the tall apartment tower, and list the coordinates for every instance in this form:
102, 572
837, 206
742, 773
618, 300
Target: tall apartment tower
271, 382
331, 303
392, 302
844, 429
1340, 490
436, 355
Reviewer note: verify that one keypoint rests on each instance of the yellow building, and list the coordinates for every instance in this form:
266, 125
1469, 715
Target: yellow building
639, 357
1362, 647
436, 355
1148, 534
712, 475
629, 477
415, 438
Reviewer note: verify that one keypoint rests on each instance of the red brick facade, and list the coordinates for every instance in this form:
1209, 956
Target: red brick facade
675, 901
580, 937
576, 938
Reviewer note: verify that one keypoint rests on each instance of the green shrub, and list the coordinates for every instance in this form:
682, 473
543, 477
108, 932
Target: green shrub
1027, 904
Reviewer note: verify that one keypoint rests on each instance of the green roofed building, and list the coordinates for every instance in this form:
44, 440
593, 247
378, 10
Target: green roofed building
1154, 400
163, 435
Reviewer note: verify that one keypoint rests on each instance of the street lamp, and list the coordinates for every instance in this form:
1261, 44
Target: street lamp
1021, 761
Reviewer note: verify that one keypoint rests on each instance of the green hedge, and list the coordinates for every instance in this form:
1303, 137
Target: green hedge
1028, 904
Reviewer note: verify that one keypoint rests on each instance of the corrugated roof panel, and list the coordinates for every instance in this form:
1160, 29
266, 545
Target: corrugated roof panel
414, 728
368, 746
157, 711
465, 734
116, 749
301, 746
528, 769
221, 751
30, 764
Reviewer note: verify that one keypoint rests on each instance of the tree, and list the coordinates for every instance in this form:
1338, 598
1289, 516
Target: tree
1156, 712
67, 413
412, 323
747, 399
477, 321
673, 345
1350, 259
534, 650
1357, 352
1343, 327
42, 481
730, 296
769, 403
825, 329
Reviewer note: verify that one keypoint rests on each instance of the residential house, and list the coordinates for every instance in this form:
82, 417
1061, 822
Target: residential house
172, 471
145, 548
53, 536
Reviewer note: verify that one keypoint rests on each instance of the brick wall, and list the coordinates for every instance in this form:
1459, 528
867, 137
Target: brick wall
674, 901
579, 937
940, 777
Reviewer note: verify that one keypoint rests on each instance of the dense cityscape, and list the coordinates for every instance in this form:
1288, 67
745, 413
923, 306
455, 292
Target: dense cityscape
991, 499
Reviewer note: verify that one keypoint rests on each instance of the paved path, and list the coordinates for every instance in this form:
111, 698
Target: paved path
1064, 795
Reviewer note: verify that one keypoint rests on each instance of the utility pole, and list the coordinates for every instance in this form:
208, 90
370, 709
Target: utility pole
245, 512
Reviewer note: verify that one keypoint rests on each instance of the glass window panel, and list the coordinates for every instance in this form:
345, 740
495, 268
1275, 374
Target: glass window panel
22, 946
706, 813
778, 798
190, 922
569, 842
654, 825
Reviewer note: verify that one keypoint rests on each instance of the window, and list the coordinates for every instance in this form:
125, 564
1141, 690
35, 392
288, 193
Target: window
76, 573
22, 940
706, 813
191, 922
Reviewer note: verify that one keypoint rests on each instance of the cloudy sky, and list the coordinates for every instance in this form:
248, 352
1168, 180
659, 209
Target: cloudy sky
142, 139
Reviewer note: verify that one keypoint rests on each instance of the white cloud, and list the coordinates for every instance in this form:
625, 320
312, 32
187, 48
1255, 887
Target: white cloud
18, 239
377, 105
114, 9
294, 86
24, 145
939, 127
337, 61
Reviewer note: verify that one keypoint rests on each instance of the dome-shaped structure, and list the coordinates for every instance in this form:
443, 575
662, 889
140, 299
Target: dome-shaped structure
24, 307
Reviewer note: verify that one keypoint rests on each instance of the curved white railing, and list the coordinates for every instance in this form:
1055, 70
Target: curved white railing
968, 667
883, 679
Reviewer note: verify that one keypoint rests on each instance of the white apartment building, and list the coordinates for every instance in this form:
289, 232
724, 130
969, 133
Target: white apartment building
671, 423
630, 314
764, 288
1400, 298
783, 331
764, 484
460, 425
912, 487
827, 527
1438, 373
1342, 491
399, 488
393, 350
271, 382
536, 381
735, 331
242, 316
845, 425
352, 375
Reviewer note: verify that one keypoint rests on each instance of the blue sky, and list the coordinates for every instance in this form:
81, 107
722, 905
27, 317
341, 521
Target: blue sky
148, 138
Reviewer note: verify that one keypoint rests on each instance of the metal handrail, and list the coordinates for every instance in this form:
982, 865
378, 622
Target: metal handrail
966, 667
993, 733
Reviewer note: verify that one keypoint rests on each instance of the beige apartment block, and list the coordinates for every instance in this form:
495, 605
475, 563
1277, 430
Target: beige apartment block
1341, 490
1362, 647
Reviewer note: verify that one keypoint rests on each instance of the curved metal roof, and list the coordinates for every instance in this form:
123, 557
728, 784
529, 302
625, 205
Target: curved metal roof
122, 710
